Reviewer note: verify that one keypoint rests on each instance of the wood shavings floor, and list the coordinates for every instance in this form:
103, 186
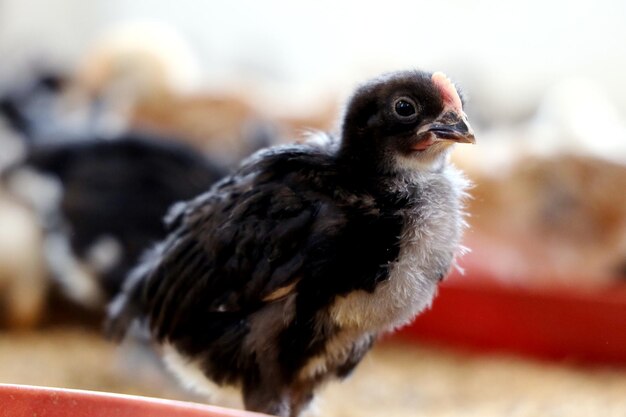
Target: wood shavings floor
394, 380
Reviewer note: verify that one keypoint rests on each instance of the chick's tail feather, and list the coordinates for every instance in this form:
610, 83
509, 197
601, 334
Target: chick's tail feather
125, 309
120, 315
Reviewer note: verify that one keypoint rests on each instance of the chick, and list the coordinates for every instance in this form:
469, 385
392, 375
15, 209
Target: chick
283, 275
101, 202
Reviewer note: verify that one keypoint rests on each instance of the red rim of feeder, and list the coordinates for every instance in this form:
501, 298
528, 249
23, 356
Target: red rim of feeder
29, 401
557, 323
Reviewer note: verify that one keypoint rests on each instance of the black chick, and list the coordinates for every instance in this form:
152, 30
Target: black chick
284, 274
101, 202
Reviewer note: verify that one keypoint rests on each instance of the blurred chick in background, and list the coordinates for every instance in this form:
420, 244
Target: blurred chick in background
149, 77
101, 202
93, 202
560, 219
87, 204
99, 189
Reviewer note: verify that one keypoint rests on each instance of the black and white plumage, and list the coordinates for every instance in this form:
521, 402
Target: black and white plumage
33, 108
101, 202
284, 274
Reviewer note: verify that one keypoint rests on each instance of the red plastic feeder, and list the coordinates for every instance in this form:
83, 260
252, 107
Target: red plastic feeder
29, 401
477, 312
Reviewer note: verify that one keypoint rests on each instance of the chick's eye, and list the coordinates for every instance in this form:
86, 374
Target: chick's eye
405, 108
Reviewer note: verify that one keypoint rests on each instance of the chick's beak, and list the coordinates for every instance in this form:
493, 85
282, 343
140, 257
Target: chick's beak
450, 126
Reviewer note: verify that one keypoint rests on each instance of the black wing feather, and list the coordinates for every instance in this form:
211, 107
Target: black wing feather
229, 251
276, 226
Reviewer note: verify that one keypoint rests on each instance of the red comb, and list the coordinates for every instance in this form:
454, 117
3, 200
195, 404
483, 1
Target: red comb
447, 90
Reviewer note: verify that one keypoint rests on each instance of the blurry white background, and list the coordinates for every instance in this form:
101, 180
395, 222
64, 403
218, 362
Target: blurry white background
506, 54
